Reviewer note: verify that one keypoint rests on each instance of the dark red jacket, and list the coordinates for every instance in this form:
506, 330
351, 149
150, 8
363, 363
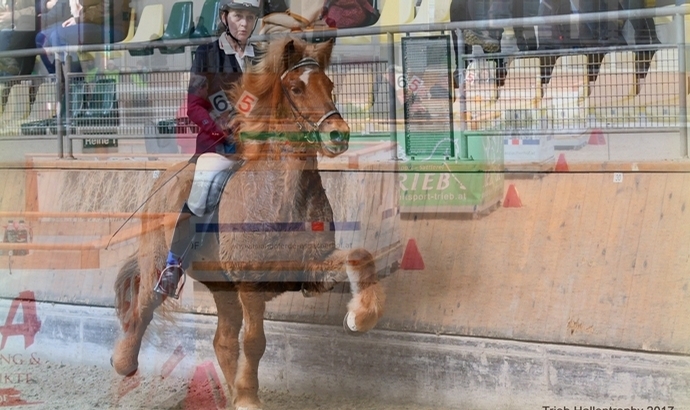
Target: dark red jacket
207, 105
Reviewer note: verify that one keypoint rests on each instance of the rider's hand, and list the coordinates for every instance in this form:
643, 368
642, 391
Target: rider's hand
69, 22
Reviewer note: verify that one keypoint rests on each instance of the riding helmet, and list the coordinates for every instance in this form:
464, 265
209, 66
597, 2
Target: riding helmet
250, 5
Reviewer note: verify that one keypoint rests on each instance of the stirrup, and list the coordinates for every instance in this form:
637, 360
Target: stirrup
168, 281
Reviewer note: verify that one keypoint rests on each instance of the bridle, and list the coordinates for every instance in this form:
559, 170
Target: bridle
313, 135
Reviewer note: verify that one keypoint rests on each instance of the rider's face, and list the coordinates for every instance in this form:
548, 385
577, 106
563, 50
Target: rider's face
240, 23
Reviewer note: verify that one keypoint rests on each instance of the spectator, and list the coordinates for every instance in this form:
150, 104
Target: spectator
556, 35
53, 13
17, 29
87, 25
609, 32
476, 10
645, 34
466, 10
490, 40
274, 6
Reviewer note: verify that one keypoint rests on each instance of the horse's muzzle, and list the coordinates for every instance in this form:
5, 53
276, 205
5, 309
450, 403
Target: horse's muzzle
335, 138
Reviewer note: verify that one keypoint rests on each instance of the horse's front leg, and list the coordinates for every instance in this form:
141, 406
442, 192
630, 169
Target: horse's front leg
226, 341
254, 345
366, 306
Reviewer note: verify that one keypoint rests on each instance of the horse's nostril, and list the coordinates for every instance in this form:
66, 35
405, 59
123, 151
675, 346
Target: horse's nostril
337, 136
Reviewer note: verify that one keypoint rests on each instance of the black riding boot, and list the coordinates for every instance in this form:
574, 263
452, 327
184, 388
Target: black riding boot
188, 234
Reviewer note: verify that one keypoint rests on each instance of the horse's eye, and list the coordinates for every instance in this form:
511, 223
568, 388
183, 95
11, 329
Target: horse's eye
296, 90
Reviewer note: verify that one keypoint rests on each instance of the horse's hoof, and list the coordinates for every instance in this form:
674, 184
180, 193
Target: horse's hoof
126, 372
349, 325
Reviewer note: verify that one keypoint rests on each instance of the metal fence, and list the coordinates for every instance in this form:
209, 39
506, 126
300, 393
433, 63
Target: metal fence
613, 89
562, 91
145, 103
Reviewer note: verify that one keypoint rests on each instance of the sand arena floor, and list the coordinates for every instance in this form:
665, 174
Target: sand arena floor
60, 386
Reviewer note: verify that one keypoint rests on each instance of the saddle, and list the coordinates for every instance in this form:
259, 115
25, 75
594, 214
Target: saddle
210, 177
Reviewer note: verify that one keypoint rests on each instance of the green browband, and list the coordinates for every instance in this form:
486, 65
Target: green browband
298, 136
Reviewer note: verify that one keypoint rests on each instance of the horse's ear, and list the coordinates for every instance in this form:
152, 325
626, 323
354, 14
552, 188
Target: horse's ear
323, 52
288, 52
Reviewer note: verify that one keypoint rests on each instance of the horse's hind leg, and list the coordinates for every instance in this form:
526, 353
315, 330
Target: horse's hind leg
254, 345
135, 314
226, 341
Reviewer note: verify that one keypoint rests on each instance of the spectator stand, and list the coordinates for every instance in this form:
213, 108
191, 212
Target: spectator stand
566, 107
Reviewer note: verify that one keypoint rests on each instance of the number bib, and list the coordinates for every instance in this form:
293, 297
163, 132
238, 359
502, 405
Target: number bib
247, 102
221, 105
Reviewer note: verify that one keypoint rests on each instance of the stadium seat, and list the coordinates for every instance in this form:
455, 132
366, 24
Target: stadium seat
77, 105
522, 84
520, 95
439, 14
44, 105
98, 55
565, 96
150, 28
3, 85
101, 108
17, 107
611, 96
208, 20
130, 28
668, 20
480, 93
41, 126
43, 108
658, 97
180, 26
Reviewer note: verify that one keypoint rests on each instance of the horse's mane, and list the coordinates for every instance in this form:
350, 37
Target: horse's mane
262, 81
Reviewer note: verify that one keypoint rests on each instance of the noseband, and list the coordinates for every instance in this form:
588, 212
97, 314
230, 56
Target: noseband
312, 133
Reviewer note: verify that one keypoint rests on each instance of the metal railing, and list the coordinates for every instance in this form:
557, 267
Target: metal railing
134, 104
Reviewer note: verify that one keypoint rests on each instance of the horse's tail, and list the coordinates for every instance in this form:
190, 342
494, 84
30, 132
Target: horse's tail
127, 291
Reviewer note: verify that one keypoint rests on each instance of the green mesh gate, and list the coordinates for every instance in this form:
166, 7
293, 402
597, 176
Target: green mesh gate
428, 105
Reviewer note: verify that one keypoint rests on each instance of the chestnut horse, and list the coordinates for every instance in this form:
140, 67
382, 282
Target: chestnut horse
265, 247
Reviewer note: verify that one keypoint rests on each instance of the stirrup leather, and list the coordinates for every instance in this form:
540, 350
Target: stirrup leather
169, 281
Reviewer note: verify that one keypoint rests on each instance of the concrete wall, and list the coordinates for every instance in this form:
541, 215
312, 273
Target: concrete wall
584, 261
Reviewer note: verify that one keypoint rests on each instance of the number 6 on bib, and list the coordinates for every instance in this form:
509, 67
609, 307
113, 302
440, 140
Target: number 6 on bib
220, 103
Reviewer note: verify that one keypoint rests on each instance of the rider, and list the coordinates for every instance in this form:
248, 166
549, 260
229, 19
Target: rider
216, 65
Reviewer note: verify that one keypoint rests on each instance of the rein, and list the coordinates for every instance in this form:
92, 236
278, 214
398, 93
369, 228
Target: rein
312, 134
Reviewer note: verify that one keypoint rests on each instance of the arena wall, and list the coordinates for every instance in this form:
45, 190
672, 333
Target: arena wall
593, 258
584, 261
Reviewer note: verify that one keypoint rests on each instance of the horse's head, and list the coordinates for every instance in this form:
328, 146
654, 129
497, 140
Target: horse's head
287, 98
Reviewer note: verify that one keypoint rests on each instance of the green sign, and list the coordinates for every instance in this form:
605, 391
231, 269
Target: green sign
457, 185
99, 143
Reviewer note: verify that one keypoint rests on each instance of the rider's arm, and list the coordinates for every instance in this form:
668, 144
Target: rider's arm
198, 105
